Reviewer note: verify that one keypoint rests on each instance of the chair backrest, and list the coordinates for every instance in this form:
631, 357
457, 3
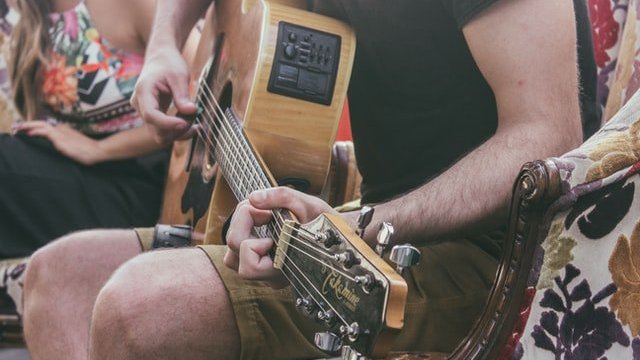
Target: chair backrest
619, 79
608, 20
568, 284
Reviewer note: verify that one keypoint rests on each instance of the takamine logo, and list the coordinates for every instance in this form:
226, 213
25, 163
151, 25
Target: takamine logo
333, 282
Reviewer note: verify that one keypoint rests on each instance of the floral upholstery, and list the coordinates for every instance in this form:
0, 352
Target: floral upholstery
11, 285
586, 284
607, 23
584, 289
8, 114
626, 79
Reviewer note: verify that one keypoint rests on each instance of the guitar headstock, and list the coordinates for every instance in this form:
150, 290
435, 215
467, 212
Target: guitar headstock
342, 283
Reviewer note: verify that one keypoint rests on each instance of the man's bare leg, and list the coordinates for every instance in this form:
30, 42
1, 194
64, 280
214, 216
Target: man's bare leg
168, 304
61, 285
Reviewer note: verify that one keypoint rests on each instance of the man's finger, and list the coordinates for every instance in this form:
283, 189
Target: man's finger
195, 128
244, 219
255, 262
166, 128
305, 207
231, 259
180, 91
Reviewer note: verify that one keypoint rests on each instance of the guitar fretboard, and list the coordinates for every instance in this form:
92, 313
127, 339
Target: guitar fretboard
240, 166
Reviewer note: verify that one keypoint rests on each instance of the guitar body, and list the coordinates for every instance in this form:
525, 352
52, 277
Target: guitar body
288, 102
272, 80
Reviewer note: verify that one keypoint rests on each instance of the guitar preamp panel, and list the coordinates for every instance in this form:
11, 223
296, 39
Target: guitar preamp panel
305, 64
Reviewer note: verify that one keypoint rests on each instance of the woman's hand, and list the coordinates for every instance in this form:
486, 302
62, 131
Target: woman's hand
67, 140
250, 256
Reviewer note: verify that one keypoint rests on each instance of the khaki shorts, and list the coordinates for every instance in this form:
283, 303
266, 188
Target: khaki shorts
447, 292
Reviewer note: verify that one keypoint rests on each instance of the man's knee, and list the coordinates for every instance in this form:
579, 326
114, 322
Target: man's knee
133, 288
147, 286
156, 300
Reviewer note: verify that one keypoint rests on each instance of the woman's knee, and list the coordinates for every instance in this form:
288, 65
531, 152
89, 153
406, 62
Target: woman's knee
78, 258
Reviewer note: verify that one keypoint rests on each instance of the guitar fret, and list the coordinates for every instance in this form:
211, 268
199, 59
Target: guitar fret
241, 168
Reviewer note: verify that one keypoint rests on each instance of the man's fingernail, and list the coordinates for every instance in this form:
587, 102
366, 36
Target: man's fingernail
259, 195
183, 125
186, 101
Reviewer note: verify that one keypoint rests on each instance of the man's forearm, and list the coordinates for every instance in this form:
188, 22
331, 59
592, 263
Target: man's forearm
538, 117
173, 22
473, 195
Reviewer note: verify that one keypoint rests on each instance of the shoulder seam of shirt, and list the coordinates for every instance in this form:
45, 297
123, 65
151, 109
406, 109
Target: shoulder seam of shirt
472, 11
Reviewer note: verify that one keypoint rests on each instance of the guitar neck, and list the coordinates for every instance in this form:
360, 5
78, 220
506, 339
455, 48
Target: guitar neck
243, 170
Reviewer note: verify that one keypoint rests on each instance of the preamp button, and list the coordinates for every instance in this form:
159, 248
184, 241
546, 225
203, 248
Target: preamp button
290, 51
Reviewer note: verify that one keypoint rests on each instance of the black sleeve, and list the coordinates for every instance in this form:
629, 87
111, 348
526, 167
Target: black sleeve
462, 11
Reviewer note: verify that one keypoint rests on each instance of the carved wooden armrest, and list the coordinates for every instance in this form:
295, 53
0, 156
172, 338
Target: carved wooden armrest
538, 185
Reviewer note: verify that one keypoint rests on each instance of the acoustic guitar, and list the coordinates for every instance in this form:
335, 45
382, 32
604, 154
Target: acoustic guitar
270, 94
284, 72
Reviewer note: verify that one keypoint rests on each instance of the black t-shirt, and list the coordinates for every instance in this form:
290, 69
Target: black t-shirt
418, 101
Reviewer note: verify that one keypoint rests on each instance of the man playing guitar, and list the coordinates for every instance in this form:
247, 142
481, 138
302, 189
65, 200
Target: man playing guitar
448, 99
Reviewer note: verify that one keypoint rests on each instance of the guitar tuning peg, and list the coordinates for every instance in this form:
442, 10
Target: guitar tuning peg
351, 331
306, 305
384, 237
328, 317
364, 219
404, 256
347, 259
327, 341
348, 353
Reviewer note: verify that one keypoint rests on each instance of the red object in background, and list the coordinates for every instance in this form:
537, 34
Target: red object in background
344, 127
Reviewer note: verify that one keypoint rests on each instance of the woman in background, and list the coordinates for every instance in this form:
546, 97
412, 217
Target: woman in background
82, 158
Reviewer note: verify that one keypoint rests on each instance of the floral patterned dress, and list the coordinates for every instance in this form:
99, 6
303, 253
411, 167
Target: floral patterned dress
88, 82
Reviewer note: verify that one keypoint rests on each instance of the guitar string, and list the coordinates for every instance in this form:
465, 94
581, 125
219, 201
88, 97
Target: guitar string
310, 293
241, 184
265, 183
224, 120
317, 291
289, 268
280, 226
303, 242
278, 221
225, 160
234, 154
243, 192
295, 284
277, 225
230, 133
312, 257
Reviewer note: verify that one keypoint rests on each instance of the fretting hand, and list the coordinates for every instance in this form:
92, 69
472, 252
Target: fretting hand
250, 256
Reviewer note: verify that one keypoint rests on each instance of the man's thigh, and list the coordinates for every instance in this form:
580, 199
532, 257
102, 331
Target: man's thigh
164, 303
447, 291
